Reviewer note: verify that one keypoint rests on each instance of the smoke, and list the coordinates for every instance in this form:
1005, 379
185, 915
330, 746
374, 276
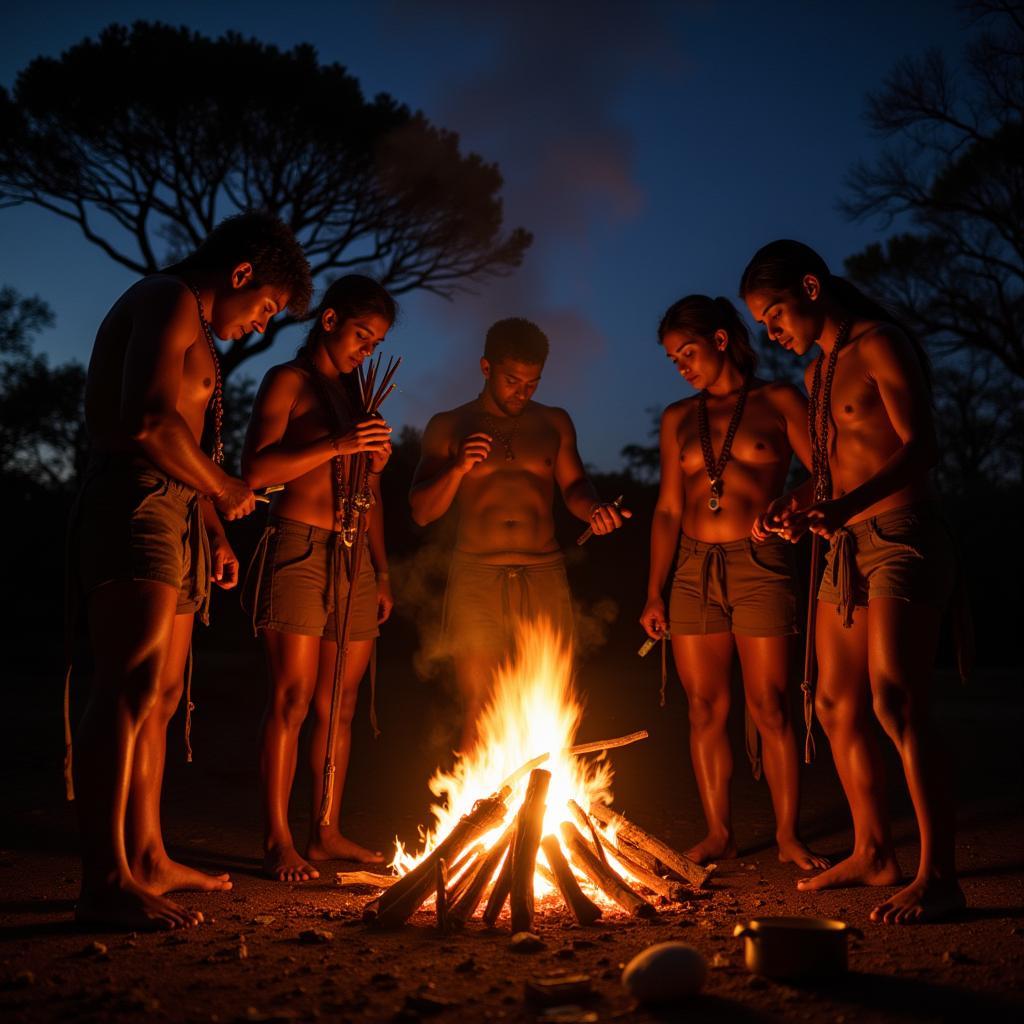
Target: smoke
543, 102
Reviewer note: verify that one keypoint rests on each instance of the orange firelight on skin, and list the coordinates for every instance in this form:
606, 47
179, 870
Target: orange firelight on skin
533, 710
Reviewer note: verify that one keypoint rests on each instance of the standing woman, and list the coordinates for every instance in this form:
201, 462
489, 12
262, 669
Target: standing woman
302, 432
725, 453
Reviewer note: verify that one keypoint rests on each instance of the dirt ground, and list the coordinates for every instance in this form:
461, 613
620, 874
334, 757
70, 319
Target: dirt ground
250, 961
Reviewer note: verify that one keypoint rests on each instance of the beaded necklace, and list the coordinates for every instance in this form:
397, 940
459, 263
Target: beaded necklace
819, 415
716, 467
217, 401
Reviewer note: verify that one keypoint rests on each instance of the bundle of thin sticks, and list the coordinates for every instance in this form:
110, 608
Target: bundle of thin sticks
374, 387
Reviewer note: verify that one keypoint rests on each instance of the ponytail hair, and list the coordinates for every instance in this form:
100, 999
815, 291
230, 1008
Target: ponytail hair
704, 316
781, 266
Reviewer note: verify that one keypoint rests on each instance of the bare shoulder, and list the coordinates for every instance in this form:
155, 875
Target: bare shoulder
445, 424
284, 378
556, 416
782, 394
879, 342
163, 306
675, 412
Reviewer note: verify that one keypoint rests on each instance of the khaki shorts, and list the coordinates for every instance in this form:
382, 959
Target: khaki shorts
297, 574
738, 587
134, 522
907, 553
485, 601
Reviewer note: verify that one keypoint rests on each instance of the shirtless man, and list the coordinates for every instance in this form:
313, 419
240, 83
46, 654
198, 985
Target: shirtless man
301, 433
889, 569
501, 456
729, 593
147, 539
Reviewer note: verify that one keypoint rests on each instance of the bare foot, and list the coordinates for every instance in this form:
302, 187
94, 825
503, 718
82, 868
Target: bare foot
857, 869
927, 899
283, 864
792, 851
331, 845
712, 848
166, 875
128, 906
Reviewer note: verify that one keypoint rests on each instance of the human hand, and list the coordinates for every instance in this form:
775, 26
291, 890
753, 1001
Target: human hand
826, 517
369, 435
653, 618
224, 562
472, 449
235, 499
385, 601
607, 516
378, 460
771, 521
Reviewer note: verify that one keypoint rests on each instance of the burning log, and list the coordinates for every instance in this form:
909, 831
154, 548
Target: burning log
465, 904
502, 887
529, 824
637, 856
441, 900
675, 892
607, 880
696, 874
463, 873
583, 908
408, 894
584, 821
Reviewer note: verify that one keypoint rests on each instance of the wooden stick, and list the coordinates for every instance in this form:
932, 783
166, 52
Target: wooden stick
585, 910
345, 878
637, 856
499, 894
607, 880
580, 748
676, 892
584, 821
696, 874
807, 686
464, 905
441, 899
408, 894
619, 741
462, 872
529, 825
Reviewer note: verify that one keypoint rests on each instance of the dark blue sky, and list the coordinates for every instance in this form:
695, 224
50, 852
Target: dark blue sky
650, 148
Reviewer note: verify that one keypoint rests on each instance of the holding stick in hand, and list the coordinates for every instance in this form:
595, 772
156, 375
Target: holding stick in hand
320, 571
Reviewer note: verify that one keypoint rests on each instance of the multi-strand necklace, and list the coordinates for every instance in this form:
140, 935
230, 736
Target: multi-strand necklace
330, 408
217, 401
504, 439
819, 415
716, 467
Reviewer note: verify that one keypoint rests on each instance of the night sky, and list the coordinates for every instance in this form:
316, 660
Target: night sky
650, 148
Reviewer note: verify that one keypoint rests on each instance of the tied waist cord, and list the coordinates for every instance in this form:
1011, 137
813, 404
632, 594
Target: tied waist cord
714, 562
843, 573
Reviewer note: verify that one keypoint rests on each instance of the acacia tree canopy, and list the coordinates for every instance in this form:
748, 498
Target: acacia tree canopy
149, 135
953, 169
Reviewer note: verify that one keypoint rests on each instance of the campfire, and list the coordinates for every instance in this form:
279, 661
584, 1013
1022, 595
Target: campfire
527, 813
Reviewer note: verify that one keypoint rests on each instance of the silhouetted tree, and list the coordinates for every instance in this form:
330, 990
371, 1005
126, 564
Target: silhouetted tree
953, 168
42, 437
147, 136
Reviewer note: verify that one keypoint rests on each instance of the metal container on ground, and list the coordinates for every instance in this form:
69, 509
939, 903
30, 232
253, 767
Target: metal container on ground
795, 947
